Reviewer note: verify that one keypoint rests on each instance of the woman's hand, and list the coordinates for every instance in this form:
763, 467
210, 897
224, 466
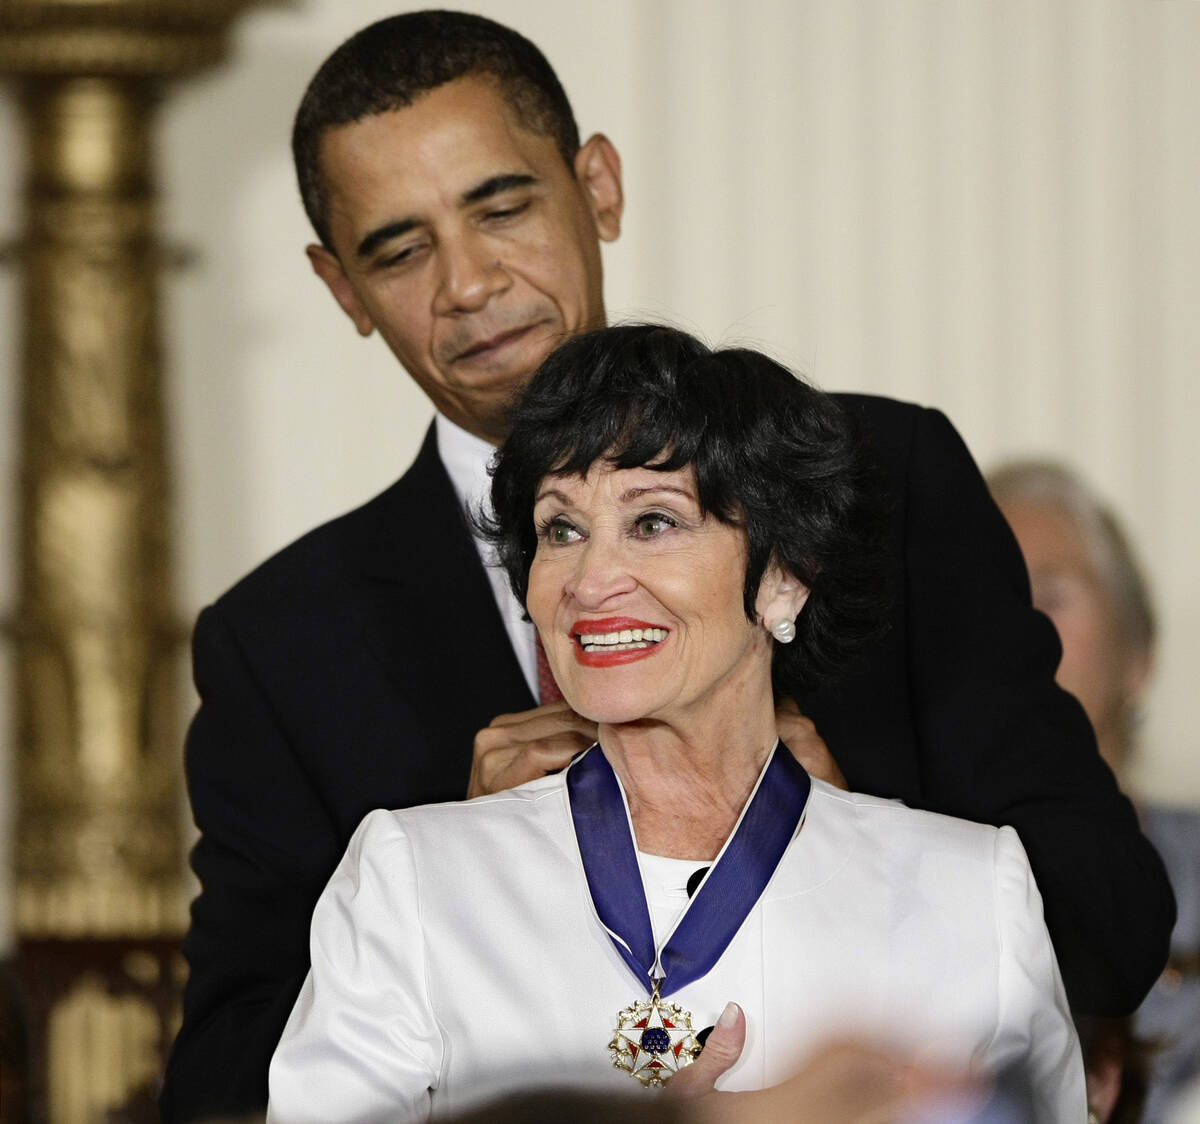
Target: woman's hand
517, 748
722, 1048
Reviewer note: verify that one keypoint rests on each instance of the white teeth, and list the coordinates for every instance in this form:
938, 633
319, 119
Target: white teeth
622, 640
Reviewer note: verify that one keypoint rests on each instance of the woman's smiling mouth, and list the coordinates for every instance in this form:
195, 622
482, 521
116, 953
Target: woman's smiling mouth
615, 640
621, 640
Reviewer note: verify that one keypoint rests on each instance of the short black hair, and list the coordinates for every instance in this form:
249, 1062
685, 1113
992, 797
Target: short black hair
391, 63
771, 454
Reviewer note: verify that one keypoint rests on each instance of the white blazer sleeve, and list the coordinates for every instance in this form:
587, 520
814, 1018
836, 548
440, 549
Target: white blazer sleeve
362, 1043
1034, 1026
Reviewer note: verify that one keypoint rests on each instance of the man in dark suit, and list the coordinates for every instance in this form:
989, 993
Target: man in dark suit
459, 216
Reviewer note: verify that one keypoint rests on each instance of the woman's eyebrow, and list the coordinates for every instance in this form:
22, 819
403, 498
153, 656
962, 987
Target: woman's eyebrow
633, 494
548, 493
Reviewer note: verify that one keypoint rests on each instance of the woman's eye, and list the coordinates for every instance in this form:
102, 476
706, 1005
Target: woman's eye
648, 526
559, 532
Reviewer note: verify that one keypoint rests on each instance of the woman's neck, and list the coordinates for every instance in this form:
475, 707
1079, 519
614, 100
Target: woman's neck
686, 785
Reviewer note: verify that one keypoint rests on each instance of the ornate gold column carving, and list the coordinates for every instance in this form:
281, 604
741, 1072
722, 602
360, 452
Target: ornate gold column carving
99, 877
98, 837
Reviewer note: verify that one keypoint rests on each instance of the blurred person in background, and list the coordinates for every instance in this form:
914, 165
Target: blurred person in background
1086, 578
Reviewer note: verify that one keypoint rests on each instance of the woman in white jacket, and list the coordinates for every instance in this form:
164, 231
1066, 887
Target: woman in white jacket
676, 521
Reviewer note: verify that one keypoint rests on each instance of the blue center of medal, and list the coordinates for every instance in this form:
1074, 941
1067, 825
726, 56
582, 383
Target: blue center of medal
655, 1040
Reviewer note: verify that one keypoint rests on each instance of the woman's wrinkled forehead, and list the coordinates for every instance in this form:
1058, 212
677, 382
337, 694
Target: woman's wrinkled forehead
633, 479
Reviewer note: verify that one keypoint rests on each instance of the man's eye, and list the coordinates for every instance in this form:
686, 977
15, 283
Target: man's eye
648, 526
501, 213
402, 256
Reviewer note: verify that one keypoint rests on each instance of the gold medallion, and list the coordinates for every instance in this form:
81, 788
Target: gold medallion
652, 1040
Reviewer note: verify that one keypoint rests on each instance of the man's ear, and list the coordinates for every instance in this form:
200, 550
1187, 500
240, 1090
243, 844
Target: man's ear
327, 267
598, 170
781, 595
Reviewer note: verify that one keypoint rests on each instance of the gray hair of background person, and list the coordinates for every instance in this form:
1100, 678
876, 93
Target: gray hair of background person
1112, 556
771, 454
391, 63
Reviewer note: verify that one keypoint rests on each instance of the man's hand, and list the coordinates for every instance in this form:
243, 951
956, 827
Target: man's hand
517, 748
807, 746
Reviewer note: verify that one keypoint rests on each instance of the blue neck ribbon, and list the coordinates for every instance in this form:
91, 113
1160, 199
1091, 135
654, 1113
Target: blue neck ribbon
725, 897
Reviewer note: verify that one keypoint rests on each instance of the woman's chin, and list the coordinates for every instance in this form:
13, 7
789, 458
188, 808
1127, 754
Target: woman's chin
608, 710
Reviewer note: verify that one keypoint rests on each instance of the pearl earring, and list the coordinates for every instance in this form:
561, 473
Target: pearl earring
784, 630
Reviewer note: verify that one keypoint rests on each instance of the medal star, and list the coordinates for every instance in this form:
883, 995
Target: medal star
652, 1041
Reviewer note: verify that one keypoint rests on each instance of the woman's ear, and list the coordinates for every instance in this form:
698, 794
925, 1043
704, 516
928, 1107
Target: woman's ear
781, 596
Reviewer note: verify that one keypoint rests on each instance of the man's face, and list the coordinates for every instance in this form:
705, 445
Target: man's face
467, 241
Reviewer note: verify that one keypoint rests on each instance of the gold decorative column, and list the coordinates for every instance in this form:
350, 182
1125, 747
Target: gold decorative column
99, 878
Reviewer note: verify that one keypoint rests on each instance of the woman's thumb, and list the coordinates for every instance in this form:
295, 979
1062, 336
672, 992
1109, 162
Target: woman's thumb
721, 1050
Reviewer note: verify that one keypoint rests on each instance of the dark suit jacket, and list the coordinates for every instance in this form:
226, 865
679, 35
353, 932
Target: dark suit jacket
353, 669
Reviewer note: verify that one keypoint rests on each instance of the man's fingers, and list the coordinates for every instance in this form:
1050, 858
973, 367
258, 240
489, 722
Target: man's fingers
533, 725
549, 710
507, 766
517, 748
535, 758
723, 1048
524, 715
807, 746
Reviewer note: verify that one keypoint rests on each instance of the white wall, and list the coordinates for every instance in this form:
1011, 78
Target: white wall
992, 206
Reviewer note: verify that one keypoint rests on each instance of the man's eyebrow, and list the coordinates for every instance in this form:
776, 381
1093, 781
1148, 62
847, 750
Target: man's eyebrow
496, 184
383, 234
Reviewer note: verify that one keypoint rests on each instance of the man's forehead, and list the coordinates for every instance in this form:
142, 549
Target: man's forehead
451, 137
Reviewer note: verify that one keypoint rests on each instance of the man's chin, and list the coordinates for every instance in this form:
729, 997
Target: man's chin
482, 410
512, 358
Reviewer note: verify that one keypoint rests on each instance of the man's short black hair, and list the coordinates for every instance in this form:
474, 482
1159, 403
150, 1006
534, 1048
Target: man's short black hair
391, 63
771, 454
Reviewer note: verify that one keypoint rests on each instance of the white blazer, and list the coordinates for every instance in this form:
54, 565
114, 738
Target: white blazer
456, 957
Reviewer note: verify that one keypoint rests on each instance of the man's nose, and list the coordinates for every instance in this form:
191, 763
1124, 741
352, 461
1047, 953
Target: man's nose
471, 274
601, 574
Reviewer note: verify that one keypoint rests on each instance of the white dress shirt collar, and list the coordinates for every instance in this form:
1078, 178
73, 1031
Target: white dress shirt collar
466, 459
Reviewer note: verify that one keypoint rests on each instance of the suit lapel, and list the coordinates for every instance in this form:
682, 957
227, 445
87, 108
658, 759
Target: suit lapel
430, 614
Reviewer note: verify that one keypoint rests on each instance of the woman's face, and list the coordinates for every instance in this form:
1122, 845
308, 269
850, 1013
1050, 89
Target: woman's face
638, 597
1096, 666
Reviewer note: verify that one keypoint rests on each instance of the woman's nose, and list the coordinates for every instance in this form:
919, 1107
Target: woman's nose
601, 573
